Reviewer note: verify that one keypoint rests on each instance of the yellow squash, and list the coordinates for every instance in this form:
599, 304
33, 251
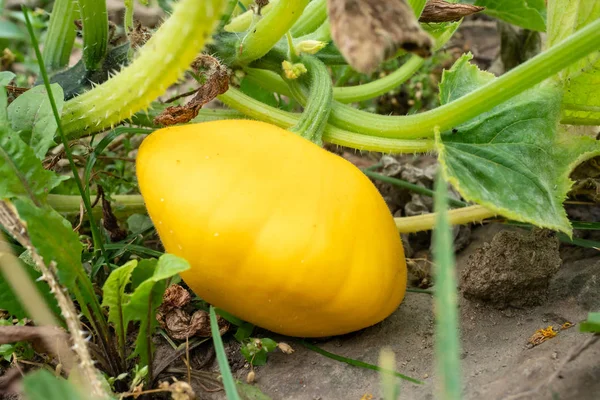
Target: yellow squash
278, 231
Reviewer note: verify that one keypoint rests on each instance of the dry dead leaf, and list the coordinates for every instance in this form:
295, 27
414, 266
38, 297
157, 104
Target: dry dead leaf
367, 32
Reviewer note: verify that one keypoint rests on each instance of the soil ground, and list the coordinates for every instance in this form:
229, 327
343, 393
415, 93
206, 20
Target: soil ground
497, 362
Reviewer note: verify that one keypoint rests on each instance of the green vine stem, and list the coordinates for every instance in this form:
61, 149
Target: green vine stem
351, 94
160, 63
244, 21
313, 120
268, 30
313, 16
458, 216
61, 34
122, 205
481, 100
95, 32
255, 109
273, 82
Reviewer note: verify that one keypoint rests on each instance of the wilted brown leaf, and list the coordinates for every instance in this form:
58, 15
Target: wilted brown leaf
217, 82
367, 32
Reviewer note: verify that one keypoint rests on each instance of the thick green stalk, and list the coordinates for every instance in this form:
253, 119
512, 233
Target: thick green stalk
481, 100
267, 32
95, 32
313, 121
122, 205
160, 63
268, 80
61, 34
262, 112
313, 16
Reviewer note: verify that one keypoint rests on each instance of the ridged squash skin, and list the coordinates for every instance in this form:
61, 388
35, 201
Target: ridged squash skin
278, 231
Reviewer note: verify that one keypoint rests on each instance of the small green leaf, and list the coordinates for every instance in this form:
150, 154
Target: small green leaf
114, 297
512, 159
31, 116
54, 239
144, 302
581, 80
21, 172
6, 77
268, 344
244, 331
137, 223
528, 14
592, 324
43, 385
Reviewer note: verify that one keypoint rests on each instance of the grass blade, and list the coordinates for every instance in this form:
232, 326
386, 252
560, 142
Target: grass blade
357, 363
228, 381
447, 344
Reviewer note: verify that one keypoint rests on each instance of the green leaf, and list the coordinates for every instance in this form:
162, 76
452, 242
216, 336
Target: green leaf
512, 159
143, 271
528, 14
137, 223
581, 80
114, 297
144, 302
54, 239
31, 116
592, 324
10, 302
6, 77
43, 385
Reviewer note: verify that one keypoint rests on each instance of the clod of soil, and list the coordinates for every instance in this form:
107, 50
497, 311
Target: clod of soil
514, 269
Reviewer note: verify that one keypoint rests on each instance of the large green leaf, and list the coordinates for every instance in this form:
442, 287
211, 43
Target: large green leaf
21, 173
43, 385
31, 116
529, 14
146, 298
581, 81
512, 159
54, 239
114, 297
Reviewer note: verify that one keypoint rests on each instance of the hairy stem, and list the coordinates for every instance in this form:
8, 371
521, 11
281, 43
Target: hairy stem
61, 34
267, 32
313, 120
313, 16
95, 32
243, 21
160, 63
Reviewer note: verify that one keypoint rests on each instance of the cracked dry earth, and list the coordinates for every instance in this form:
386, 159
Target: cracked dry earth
497, 360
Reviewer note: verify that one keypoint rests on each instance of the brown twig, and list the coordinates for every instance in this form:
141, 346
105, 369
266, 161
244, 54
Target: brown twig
442, 11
